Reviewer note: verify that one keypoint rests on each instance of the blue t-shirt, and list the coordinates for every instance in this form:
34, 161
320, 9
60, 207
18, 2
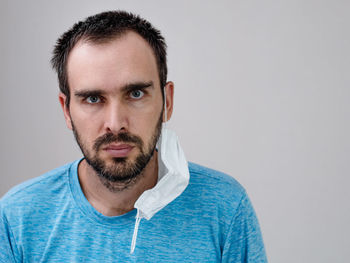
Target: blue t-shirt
48, 219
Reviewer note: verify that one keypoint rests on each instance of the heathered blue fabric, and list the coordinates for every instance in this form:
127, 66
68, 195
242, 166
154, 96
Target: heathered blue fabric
48, 219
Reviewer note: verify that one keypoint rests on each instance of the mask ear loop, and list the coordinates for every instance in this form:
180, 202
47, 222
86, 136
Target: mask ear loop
164, 129
165, 108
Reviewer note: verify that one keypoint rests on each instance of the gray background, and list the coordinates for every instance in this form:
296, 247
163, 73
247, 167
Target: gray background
262, 91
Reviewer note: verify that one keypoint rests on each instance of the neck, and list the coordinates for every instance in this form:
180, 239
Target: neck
113, 199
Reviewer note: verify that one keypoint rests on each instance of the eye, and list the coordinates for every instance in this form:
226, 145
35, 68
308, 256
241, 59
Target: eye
136, 94
93, 99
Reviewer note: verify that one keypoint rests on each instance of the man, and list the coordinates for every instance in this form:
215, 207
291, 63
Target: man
133, 197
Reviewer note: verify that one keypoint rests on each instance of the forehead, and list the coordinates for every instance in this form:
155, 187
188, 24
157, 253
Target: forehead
125, 59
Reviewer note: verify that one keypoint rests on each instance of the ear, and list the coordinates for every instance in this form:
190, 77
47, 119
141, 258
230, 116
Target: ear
169, 98
63, 98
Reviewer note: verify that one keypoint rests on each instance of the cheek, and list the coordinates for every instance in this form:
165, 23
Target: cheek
87, 128
144, 123
87, 118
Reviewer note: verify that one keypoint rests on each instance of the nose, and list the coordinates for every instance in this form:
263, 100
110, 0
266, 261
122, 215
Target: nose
116, 118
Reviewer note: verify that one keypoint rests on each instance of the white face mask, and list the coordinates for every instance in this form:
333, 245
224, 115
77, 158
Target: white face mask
173, 178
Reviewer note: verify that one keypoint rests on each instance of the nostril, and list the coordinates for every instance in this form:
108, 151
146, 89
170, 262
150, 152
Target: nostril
109, 130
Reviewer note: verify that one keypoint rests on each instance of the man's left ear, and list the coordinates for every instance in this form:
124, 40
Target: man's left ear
169, 99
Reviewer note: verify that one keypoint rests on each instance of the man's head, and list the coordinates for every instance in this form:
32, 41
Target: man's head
111, 91
102, 28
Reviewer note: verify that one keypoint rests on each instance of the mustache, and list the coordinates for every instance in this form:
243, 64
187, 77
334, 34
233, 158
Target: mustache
120, 137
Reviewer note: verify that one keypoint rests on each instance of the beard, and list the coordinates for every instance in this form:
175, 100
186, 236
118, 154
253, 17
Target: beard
123, 171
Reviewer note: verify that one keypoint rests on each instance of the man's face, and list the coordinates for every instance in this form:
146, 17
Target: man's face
116, 104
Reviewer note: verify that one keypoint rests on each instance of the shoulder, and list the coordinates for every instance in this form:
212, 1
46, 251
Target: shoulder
215, 197
214, 180
213, 189
36, 190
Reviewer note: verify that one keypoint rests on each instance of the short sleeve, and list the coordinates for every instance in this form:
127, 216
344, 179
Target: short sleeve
6, 249
244, 243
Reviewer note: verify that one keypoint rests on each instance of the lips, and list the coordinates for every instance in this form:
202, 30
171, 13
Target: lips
118, 150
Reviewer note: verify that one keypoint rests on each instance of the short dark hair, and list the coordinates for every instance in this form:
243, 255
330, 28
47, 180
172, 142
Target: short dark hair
101, 28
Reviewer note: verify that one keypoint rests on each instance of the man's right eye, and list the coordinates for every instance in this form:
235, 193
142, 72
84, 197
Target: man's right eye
93, 99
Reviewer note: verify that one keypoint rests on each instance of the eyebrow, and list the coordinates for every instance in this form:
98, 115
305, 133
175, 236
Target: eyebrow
127, 88
137, 85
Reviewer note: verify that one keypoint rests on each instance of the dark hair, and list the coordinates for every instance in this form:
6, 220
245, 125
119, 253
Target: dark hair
101, 28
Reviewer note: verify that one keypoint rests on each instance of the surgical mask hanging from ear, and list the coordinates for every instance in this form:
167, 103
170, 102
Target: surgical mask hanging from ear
173, 177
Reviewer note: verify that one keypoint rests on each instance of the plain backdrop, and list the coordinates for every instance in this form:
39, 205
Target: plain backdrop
261, 93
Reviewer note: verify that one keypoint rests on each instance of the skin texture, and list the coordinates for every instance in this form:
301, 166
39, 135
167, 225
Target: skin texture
100, 77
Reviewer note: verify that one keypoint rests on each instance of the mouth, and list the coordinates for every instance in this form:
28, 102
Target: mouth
118, 150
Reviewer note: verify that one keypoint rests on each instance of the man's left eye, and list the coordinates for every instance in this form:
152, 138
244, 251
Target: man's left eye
136, 94
93, 99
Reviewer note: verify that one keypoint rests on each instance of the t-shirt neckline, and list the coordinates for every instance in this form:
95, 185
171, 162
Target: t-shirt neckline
85, 206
